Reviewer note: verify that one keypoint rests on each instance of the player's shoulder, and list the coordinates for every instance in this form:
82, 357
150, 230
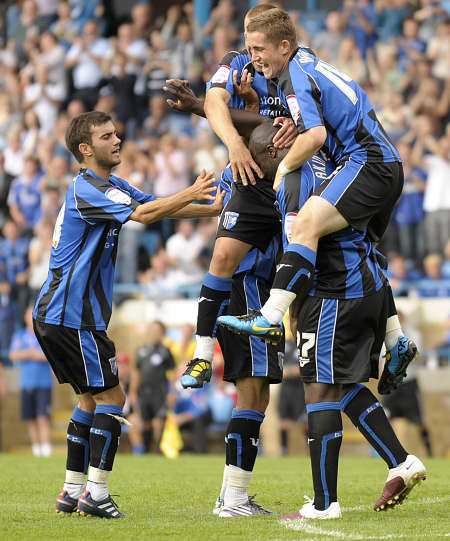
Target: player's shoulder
235, 56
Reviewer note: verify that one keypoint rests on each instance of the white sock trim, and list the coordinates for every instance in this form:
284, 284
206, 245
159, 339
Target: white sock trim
96, 475
75, 477
224, 482
393, 331
277, 305
204, 348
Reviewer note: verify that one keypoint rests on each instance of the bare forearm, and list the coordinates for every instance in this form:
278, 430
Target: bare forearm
194, 210
164, 207
219, 117
304, 147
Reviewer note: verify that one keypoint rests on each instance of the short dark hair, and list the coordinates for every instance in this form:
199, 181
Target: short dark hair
264, 153
276, 25
79, 130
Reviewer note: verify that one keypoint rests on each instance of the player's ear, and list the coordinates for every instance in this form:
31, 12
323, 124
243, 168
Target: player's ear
85, 150
271, 151
285, 47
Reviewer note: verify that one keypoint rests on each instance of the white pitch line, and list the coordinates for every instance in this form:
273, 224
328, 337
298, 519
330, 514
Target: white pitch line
423, 501
304, 526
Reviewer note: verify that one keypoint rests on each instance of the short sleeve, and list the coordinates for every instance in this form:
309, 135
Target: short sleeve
99, 201
223, 76
135, 193
302, 97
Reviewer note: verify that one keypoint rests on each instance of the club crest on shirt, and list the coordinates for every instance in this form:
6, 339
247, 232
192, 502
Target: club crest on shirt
294, 107
118, 196
113, 363
230, 219
289, 224
221, 75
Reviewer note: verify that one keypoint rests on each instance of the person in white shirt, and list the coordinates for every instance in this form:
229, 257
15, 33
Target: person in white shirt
437, 196
44, 97
85, 57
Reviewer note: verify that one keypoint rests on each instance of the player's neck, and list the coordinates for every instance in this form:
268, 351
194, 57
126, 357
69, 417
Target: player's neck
98, 170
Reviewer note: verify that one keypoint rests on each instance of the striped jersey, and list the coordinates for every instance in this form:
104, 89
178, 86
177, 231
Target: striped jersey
317, 94
270, 103
346, 264
79, 287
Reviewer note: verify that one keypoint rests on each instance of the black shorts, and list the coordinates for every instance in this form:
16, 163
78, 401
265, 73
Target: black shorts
248, 356
35, 403
365, 194
250, 215
291, 402
404, 402
340, 340
152, 405
85, 359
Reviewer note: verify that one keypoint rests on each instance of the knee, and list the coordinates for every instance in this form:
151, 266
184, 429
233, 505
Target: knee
114, 396
322, 392
223, 263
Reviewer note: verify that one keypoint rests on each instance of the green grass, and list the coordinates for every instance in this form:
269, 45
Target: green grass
173, 500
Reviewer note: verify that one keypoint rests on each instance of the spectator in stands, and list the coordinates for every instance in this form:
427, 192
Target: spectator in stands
172, 168
359, 15
14, 247
35, 386
141, 19
432, 266
149, 384
437, 193
327, 43
44, 97
433, 285
39, 256
85, 58
7, 311
158, 65
389, 18
64, 28
409, 213
209, 155
24, 198
14, 154
438, 51
157, 123
349, 60
122, 85
31, 133
184, 247
411, 47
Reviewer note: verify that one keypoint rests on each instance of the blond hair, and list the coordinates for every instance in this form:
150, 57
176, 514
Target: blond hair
276, 25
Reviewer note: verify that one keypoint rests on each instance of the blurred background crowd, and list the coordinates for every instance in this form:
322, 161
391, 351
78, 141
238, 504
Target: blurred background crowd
59, 58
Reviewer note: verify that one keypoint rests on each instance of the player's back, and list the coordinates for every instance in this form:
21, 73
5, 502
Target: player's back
317, 93
346, 265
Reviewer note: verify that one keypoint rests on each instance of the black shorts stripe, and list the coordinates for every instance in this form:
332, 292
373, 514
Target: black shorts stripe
48, 296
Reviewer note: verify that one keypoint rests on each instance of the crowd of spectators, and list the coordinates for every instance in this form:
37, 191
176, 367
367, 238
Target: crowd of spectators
59, 58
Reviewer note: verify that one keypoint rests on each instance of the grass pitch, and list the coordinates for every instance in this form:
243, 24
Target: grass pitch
173, 500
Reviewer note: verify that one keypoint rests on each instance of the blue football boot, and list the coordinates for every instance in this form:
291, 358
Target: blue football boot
254, 324
197, 373
397, 361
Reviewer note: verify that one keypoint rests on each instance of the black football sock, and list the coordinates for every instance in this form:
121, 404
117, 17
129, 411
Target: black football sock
78, 440
212, 303
242, 438
293, 279
284, 440
324, 439
295, 270
104, 436
367, 414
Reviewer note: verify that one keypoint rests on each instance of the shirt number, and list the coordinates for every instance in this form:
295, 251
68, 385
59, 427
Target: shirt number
339, 79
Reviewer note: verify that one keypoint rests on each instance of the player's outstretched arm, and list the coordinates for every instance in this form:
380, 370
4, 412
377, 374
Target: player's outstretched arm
184, 100
150, 212
304, 147
219, 117
201, 211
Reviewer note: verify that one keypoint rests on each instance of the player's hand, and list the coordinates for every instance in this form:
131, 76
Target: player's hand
203, 187
286, 135
245, 90
242, 164
185, 99
217, 206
